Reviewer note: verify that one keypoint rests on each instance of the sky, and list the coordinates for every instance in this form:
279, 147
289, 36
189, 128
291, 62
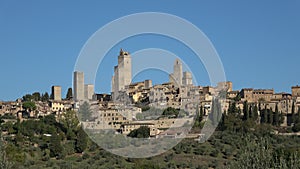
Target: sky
258, 42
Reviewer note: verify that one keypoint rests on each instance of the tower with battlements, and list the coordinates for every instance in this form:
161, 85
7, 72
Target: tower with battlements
122, 73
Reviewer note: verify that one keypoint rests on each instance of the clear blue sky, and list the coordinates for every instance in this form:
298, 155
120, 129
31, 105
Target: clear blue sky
258, 41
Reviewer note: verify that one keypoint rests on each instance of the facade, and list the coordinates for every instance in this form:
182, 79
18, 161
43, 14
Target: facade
103, 97
10, 107
89, 91
57, 106
139, 91
256, 95
78, 86
56, 93
296, 91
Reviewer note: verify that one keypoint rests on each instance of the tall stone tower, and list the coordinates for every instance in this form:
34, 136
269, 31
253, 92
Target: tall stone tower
78, 86
56, 93
177, 73
122, 73
89, 91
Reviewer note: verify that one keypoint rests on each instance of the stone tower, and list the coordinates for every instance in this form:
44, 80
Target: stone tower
122, 73
56, 93
78, 86
89, 91
187, 79
177, 73
124, 70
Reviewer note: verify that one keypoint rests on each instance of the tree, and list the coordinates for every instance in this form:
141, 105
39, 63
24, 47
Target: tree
36, 96
55, 146
251, 112
298, 114
84, 112
69, 94
264, 115
270, 116
71, 123
245, 111
70, 120
27, 97
81, 141
276, 120
232, 108
296, 127
4, 162
293, 113
170, 111
142, 132
29, 105
45, 97
255, 112
201, 111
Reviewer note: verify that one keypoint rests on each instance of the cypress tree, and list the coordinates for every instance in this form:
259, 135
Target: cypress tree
245, 111
276, 116
264, 115
255, 112
298, 114
270, 116
293, 113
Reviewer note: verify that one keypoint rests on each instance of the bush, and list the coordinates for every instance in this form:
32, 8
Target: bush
296, 127
142, 132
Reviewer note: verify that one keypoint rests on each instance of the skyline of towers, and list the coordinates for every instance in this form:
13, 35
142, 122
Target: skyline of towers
178, 77
82, 91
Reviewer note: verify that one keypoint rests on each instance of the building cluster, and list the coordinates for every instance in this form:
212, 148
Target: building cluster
119, 109
55, 105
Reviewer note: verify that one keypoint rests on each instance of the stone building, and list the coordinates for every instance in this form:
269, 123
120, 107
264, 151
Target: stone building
139, 91
166, 94
56, 93
89, 91
187, 79
179, 78
176, 77
296, 91
78, 86
122, 73
255, 95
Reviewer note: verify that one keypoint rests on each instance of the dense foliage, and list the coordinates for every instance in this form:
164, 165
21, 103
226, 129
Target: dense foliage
243, 140
142, 132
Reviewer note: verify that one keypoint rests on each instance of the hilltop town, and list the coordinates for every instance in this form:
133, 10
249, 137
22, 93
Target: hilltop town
132, 105
47, 130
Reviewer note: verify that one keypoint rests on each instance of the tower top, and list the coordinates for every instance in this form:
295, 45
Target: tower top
177, 62
123, 53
